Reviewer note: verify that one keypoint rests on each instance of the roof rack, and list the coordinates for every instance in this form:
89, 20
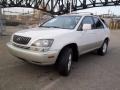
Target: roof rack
83, 13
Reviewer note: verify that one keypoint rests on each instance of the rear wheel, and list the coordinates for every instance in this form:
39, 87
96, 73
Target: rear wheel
103, 50
65, 61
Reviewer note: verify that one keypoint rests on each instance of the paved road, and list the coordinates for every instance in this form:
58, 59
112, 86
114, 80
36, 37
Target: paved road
92, 72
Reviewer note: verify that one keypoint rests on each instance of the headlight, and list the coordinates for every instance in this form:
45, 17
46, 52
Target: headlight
42, 44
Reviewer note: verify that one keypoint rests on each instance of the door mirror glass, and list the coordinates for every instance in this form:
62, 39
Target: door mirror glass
86, 27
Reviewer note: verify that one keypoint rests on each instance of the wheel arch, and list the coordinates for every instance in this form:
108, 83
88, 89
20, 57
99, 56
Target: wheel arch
107, 39
74, 48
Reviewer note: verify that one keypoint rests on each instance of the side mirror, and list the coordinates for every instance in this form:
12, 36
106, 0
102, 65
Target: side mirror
87, 27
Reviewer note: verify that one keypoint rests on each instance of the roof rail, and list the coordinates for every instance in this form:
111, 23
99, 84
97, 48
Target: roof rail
83, 13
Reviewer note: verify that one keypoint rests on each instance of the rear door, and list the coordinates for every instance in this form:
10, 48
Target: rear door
99, 28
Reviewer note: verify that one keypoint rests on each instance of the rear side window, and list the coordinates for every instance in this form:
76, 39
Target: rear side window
98, 23
104, 22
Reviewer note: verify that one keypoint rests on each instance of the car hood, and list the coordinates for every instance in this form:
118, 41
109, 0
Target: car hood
42, 33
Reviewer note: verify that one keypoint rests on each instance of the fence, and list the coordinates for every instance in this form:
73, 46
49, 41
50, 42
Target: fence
114, 25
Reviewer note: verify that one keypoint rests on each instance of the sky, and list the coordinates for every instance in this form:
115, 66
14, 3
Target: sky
95, 10
103, 10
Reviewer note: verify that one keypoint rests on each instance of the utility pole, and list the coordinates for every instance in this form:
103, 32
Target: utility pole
2, 22
70, 5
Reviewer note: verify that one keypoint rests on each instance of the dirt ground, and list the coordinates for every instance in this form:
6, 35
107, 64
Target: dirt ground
91, 72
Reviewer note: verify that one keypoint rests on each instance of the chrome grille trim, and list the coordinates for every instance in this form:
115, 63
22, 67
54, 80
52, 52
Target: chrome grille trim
19, 46
21, 39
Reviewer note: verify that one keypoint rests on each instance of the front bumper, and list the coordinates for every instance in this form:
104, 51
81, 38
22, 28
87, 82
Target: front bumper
41, 58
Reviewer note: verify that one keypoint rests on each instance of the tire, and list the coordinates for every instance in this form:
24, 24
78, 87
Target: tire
65, 61
103, 49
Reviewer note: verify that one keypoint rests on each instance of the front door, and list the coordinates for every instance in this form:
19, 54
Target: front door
89, 37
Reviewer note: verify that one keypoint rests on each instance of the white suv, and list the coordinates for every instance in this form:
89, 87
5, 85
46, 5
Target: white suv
61, 40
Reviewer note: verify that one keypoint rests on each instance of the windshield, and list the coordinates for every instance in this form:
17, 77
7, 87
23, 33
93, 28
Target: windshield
64, 22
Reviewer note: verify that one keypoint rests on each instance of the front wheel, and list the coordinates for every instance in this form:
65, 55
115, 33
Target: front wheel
65, 61
103, 50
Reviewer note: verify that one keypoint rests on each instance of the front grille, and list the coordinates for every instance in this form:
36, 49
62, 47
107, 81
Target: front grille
21, 39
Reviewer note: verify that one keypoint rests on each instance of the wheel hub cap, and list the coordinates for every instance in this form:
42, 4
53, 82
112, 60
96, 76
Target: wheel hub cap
69, 62
104, 47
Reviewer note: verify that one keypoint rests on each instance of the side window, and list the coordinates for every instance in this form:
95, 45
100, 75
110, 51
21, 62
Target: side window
88, 20
98, 23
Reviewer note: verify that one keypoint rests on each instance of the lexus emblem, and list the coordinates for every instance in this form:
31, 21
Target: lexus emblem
18, 39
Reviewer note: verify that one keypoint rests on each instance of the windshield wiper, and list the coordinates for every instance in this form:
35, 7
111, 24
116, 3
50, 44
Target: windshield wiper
50, 26
45, 26
54, 27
